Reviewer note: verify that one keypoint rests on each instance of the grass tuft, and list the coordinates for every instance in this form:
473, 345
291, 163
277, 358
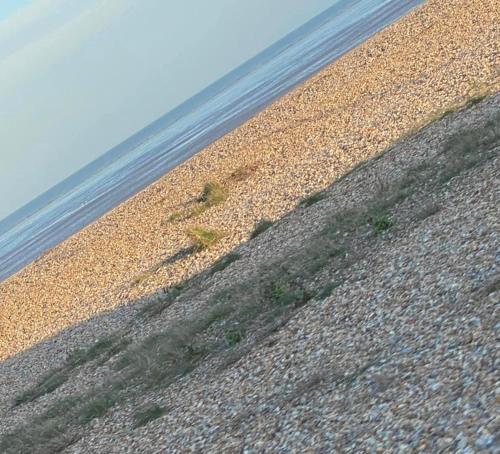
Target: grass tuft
204, 238
183, 215
49, 383
213, 194
287, 295
261, 227
101, 351
49, 437
156, 307
98, 406
381, 223
141, 277
83, 355
312, 199
224, 262
147, 414
244, 172
233, 337
328, 290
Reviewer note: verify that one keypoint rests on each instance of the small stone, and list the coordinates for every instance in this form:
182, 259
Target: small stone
485, 440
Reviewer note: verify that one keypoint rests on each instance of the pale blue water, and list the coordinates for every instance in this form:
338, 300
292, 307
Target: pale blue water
220, 108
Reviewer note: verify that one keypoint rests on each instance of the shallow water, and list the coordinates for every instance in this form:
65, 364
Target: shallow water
188, 129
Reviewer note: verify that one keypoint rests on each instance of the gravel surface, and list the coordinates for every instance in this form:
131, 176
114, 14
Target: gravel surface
434, 58
399, 358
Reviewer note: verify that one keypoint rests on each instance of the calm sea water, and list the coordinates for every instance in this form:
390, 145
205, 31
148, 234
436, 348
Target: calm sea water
180, 134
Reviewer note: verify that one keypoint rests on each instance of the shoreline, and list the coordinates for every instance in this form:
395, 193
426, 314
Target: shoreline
141, 175
346, 113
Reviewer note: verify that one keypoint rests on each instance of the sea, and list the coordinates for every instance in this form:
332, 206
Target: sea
134, 164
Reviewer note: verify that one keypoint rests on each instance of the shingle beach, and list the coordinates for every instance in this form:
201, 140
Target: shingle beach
410, 325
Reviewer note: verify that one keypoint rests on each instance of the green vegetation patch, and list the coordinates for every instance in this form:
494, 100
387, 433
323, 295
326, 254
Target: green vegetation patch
49, 383
286, 294
213, 194
97, 405
233, 337
44, 436
381, 223
204, 238
102, 349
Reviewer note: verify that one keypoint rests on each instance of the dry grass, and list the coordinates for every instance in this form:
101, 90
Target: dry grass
148, 413
100, 352
427, 210
261, 227
157, 306
184, 215
224, 262
142, 277
243, 173
312, 199
212, 194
